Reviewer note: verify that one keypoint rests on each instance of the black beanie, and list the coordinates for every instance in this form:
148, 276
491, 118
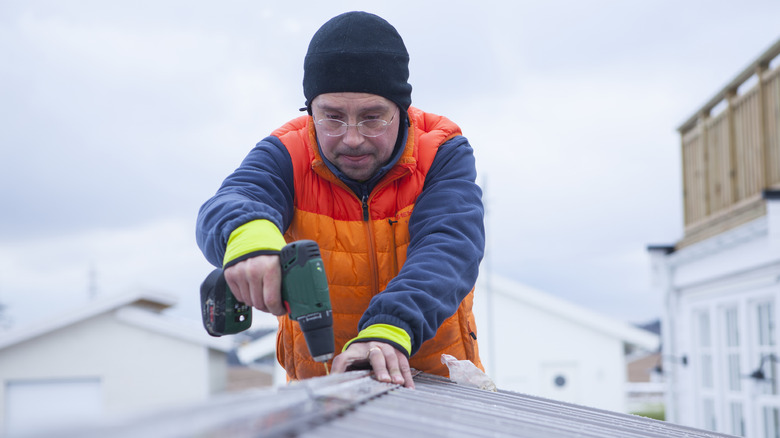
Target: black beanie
357, 52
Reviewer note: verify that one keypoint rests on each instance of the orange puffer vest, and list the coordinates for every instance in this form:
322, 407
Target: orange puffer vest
362, 256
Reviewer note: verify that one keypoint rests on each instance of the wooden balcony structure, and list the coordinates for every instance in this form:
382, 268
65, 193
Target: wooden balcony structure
732, 156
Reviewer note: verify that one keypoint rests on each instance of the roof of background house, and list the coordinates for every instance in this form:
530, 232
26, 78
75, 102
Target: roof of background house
254, 346
142, 309
653, 326
355, 405
535, 298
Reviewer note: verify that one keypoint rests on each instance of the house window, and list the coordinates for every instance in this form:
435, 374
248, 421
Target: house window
731, 354
735, 381
705, 350
771, 420
708, 411
766, 323
764, 359
732, 350
705, 382
704, 329
765, 337
737, 420
706, 371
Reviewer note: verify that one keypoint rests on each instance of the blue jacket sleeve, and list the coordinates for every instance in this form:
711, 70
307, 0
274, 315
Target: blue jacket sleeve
261, 188
447, 242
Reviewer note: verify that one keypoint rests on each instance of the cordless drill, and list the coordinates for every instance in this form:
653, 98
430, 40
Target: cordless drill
304, 292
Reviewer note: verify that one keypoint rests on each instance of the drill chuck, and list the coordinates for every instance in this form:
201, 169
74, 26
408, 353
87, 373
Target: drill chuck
317, 328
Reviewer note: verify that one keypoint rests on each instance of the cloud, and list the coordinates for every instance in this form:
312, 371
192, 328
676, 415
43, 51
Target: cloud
113, 122
46, 275
121, 118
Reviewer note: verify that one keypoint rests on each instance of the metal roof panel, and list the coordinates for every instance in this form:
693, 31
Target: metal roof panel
355, 405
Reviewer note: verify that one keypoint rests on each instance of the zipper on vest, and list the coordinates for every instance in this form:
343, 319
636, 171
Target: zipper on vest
364, 199
373, 263
393, 247
364, 202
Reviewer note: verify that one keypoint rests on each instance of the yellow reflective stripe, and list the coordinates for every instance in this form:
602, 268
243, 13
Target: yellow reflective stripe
253, 236
385, 331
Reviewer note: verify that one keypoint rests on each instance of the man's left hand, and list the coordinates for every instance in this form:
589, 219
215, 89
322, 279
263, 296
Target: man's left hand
389, 364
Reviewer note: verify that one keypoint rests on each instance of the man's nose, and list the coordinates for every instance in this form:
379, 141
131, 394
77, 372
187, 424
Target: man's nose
352, 137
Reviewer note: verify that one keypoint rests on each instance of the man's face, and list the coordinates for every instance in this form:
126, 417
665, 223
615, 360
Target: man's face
357, 156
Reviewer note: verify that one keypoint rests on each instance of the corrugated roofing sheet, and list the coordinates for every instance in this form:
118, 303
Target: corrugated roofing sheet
355, 405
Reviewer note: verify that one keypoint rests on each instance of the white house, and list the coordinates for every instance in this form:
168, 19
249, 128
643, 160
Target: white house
720, 327
115, 356
535, 343
721, 281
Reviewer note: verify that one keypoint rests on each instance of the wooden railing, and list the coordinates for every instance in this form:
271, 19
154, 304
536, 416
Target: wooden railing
731, 157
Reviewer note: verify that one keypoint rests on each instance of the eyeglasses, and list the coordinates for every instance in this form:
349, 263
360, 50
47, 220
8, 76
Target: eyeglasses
366, 128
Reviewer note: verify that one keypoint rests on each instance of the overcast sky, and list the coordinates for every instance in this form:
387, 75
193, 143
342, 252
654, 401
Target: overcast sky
119, 119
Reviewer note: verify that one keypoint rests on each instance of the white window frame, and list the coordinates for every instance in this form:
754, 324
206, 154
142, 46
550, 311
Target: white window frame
704, 362
731, 353
766, 393
723, 400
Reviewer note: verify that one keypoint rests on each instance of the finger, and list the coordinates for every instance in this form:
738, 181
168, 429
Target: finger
378, 363
256, 291
394, 367
237, 287
406, 370
339, 364
272, 291
343, 362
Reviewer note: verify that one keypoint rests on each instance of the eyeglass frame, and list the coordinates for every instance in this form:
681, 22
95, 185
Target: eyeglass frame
345, 126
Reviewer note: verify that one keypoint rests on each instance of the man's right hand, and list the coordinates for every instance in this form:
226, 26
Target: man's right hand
257, 282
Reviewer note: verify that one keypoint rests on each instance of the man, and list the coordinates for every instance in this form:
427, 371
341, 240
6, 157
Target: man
386, 190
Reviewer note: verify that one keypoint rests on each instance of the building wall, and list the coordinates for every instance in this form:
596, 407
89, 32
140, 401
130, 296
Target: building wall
642, 369
533, 348
136, 369
722, 298
217, 370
